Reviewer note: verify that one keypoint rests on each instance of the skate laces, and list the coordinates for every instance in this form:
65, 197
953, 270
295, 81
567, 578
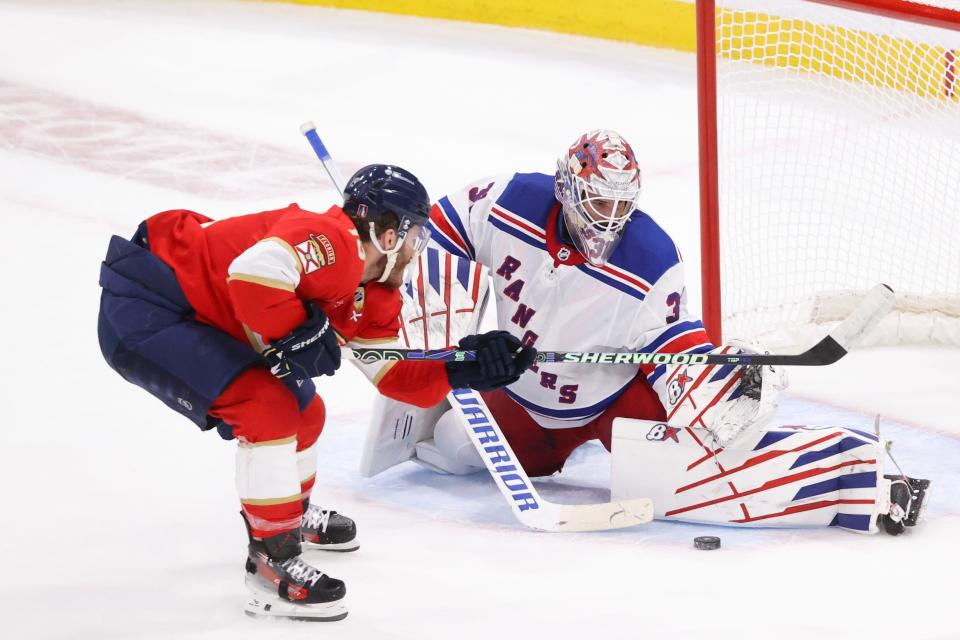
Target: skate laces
317, 518
301, 571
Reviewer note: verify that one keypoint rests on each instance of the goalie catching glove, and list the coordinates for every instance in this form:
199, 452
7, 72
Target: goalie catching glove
727, 400
500, 361
309, 351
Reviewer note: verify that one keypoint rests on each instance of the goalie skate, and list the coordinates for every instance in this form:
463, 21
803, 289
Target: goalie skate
907, 497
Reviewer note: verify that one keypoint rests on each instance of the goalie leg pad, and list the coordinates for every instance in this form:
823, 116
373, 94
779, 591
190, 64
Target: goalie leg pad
450, 450
394, 431
443, 302
783, 477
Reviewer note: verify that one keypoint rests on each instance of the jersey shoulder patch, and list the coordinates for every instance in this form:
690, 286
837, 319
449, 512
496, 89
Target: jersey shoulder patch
327, 248
319, 239
315, 252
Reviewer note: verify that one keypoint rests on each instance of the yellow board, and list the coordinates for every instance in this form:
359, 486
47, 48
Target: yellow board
658, 23
848, 54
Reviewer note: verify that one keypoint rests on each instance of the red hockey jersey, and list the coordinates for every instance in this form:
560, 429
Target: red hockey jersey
250, 275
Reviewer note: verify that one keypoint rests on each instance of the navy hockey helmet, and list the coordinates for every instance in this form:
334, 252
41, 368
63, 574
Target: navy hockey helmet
377, 189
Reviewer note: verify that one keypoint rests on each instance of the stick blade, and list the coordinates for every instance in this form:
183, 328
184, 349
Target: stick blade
591, 517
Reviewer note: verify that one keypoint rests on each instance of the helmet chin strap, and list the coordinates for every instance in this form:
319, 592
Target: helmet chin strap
388, 269
390, 253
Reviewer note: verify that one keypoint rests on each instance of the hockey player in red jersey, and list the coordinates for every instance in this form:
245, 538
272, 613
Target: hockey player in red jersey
226, 321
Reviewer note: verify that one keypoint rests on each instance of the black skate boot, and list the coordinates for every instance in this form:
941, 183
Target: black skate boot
283, 585
907, 496
328, 530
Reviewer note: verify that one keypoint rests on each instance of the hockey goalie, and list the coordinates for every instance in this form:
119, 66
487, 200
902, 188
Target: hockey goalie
574, 265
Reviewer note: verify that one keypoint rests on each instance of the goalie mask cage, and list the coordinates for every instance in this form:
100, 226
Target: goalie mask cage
829, 162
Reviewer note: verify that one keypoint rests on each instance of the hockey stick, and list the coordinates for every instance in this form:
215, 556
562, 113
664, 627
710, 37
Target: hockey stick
537, 513
831, 348
310, 131
527, 504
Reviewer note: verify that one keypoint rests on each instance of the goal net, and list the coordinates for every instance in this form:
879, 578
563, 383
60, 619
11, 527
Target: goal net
836, 166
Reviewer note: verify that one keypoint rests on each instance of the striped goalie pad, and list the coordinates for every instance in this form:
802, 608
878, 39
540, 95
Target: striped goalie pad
443, 301
799, 476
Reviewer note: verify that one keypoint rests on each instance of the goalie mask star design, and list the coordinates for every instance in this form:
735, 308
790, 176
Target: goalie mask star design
598, 184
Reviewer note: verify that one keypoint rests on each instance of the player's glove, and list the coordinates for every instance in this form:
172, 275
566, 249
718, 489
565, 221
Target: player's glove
500, 361
309, 351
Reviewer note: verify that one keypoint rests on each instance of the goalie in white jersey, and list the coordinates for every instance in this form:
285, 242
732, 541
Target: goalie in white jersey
575, 265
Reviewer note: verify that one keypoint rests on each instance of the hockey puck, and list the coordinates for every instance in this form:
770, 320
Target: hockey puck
706, 543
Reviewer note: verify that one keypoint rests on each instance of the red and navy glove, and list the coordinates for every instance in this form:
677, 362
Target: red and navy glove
309, 351
500, 361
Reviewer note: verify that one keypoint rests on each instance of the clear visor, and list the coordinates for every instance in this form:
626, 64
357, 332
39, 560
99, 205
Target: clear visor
413, 235
417, 237
596, 220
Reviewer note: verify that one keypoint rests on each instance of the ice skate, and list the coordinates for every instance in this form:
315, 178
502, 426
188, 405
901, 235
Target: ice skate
283, 585
328, 530
907, 496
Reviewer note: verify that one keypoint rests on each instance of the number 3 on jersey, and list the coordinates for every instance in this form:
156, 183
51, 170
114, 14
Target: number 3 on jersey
673, 301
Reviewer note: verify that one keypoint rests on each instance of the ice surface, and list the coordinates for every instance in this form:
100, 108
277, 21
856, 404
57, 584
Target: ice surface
120, 520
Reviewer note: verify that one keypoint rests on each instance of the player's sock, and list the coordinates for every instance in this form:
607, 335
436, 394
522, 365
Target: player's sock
283, 585
328, 530
907, 496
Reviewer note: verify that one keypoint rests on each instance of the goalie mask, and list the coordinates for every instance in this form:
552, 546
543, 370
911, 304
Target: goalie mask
597, 183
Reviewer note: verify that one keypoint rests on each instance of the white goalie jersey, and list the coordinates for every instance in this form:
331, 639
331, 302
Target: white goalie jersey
550, 297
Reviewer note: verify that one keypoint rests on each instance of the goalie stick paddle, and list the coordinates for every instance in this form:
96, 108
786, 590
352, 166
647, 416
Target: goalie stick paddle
831, 348
527, 504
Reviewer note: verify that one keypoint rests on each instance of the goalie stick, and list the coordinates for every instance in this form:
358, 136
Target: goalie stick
485, 434
831, 348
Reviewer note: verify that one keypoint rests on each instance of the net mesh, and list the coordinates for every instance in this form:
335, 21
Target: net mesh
839, 167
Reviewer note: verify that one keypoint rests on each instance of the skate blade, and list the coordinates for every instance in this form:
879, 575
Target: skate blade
921, 497
261, 607
351, 545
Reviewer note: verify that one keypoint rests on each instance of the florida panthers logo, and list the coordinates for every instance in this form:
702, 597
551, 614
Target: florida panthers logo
676, 386
661, 432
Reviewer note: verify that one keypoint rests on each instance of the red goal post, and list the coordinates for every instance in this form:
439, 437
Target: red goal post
829, 161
